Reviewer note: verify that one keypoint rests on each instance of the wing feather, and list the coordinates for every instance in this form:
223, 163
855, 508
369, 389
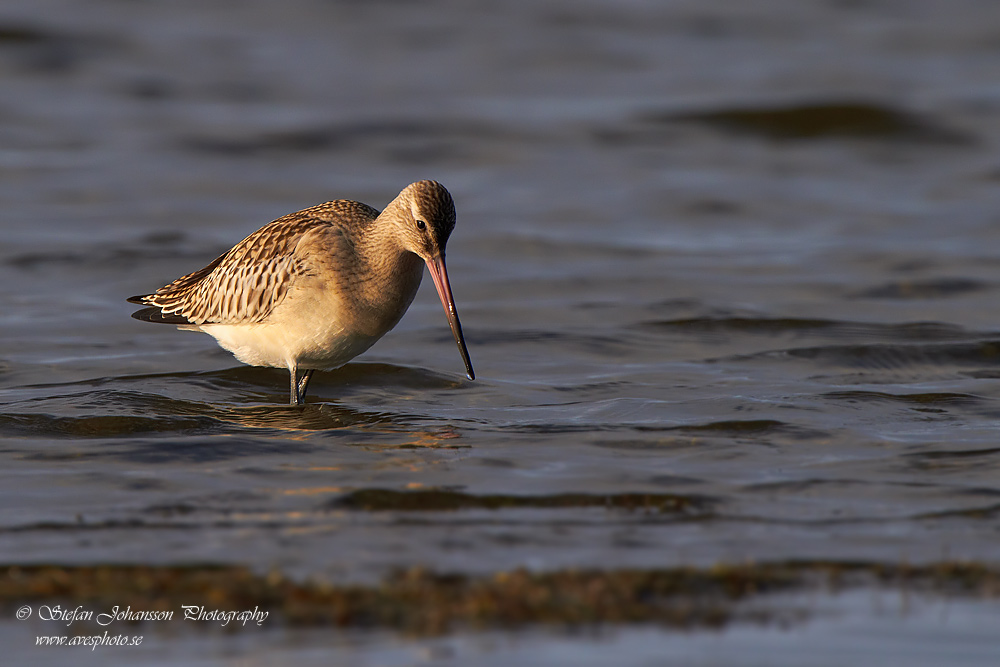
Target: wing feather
244, 285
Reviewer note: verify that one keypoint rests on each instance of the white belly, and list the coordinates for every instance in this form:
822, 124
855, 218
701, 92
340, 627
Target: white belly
305, 331
269, 345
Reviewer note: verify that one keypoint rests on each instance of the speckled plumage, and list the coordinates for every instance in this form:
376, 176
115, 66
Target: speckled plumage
315, 288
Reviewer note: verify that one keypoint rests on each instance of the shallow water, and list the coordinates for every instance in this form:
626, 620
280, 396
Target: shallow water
880, 626
738, 257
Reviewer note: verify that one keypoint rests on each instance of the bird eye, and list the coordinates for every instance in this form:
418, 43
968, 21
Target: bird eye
421, 225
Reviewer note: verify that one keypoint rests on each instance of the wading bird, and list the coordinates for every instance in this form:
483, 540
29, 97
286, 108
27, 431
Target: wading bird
314, 289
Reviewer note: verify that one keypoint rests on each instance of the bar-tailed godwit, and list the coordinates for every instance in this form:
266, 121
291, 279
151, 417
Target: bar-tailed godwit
316, 288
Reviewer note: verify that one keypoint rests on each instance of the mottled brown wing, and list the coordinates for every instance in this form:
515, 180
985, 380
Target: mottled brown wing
244, 285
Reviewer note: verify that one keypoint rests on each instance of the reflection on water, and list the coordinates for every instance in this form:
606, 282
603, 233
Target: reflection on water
728, 274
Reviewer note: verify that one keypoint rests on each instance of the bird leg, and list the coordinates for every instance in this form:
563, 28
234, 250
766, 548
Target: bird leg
293, 390
299, 385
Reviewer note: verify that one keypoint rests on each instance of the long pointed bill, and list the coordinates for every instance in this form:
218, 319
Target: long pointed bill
440, 275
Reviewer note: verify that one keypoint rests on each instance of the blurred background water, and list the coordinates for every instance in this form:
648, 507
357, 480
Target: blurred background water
743, 254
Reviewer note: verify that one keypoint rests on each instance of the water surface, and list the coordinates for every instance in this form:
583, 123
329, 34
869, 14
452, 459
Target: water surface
739, 260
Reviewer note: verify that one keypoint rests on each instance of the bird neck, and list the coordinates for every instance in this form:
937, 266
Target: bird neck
380, 247
388, 274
